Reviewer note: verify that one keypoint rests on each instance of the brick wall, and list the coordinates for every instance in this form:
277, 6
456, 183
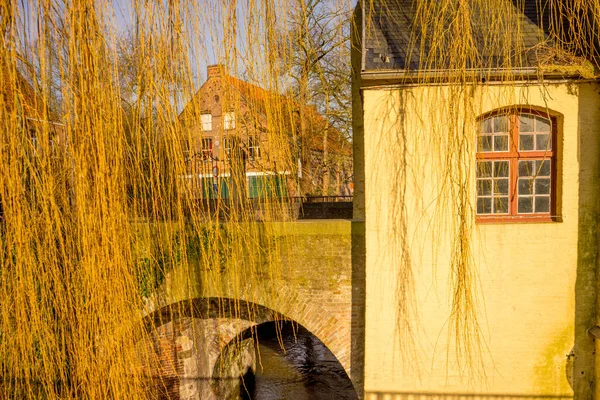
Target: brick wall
320, 260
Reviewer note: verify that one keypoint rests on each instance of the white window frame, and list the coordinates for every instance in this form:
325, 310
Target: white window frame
206, 121
206, 147
229, 120
228, 143
254, 147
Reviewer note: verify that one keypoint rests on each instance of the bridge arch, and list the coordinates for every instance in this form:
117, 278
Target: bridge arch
290, 345
211, 308
176, 344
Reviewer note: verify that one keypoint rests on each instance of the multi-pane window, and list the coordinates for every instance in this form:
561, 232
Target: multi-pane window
228, 143
493, 181
34, 142
253, 147
516, 162
186, 150
206, 120
206, 148
534, 186
229, 120
494, 134
534, 133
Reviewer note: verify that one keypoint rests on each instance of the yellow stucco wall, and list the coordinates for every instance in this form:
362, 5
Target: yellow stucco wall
525, 272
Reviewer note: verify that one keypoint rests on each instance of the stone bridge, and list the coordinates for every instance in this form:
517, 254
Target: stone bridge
194, 325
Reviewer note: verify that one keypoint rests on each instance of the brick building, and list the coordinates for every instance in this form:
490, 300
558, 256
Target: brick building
229, 118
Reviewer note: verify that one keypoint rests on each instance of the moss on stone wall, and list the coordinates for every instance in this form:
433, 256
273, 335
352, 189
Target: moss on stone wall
550, 370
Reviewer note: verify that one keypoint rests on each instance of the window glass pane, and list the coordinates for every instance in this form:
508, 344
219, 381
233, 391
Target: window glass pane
526, 123
542, 168
253, 147
484, 187
486, 125
500, 205
526, 168
484, 143
484, 205
484, 169
525, 142
542, 124
206, 120
501, 186
206, 144
501, 168
229, 120
525, 205
501, 143
542, 186
542, 142
525, 186
501, 123
542, 204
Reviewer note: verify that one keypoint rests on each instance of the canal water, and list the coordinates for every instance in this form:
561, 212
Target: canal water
291, 363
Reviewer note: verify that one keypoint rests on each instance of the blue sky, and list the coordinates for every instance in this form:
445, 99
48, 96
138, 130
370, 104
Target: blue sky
205, 29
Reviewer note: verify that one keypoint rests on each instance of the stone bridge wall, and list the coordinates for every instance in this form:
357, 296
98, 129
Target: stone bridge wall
320, 260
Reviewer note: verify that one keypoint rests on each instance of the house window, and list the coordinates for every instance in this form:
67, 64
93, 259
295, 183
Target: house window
206, 120
516, 166
53, 149
229, 120
186, 150
253, 147
228, 143
34, 142
206, 148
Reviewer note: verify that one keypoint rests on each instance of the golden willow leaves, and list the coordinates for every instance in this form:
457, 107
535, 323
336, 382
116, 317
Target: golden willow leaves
97, 177
95, 214
448, 52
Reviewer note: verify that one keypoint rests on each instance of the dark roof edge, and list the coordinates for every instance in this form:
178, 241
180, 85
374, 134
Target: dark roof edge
363, 53
432, 76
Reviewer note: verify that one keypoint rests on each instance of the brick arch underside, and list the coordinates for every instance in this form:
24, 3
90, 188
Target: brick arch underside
307, 315
212, 308
256, 334
288, 306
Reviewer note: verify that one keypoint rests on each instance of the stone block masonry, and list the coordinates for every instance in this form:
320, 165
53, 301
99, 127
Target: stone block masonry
320, 285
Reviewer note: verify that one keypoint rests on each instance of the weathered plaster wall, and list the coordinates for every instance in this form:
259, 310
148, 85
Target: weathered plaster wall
587, 367
527, 273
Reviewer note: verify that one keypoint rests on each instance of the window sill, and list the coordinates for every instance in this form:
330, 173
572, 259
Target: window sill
516, 219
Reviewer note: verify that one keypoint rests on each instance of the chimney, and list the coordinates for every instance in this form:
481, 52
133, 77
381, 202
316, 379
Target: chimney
215, 71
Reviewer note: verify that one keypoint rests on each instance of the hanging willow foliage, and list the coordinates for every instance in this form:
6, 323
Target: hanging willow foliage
446, 54
96, 204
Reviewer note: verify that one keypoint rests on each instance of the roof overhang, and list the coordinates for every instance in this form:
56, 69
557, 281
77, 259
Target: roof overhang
432, 77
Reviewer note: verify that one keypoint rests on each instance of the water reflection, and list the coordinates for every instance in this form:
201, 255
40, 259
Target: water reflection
304, 369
